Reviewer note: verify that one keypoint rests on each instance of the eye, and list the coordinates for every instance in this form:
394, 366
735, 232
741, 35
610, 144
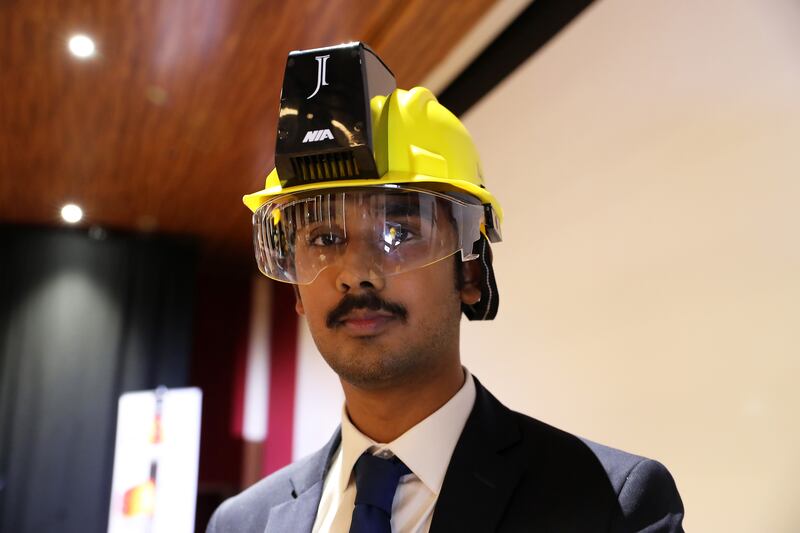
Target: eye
396, 234
326, 239
404, 234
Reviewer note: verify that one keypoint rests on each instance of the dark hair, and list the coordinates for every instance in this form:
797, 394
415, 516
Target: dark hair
459, 271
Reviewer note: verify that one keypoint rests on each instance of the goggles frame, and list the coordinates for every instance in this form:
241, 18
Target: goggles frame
276, 249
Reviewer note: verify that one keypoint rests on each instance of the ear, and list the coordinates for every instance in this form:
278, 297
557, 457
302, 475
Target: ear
298, 302
471, 289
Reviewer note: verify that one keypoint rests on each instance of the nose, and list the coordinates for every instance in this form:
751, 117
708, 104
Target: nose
361, 268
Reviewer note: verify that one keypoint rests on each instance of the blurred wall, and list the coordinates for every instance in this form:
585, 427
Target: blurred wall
647, 161
82, 320
318, 406
219, 342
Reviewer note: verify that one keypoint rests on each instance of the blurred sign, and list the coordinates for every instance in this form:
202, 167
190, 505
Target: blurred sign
155, 462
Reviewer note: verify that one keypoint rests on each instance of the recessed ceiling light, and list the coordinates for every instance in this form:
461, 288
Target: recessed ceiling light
71, 213
81, 46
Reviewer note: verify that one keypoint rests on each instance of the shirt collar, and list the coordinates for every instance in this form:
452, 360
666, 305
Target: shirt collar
425, 448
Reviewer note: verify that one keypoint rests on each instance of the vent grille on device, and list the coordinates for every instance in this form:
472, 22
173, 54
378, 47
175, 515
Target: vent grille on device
317, 167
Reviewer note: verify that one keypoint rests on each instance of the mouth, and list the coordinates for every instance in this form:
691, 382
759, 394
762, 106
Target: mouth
366, 323
365, 315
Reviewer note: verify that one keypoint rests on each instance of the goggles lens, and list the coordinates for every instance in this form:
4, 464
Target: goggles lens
383, 231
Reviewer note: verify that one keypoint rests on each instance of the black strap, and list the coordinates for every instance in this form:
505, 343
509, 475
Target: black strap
486, 308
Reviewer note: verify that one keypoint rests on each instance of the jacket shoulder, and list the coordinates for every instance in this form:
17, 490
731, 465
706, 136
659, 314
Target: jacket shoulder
249, 510
647, 498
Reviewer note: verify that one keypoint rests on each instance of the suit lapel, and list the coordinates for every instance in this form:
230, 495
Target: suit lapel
305, 490
296, 514
479, 479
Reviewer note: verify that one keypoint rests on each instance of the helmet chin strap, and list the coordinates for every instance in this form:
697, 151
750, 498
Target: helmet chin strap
486, 307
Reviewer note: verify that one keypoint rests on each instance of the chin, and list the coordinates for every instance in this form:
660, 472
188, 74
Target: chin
373, 369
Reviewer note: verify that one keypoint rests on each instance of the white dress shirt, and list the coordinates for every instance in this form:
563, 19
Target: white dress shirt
425, 449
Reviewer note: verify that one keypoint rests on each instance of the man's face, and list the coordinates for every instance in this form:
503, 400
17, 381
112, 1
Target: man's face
376, 330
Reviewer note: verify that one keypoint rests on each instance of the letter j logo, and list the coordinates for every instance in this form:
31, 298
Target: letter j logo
322, 62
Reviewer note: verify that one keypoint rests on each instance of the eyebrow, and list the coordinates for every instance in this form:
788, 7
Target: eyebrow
401, 206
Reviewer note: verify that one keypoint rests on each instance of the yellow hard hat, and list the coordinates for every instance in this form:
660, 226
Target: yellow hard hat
343, 126
425, 144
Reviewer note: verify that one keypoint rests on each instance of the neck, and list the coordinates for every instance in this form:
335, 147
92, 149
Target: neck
385, 414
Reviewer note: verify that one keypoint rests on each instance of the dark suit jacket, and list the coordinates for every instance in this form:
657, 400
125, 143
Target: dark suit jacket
509, 473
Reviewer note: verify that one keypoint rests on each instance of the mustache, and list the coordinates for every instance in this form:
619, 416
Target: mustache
367, 300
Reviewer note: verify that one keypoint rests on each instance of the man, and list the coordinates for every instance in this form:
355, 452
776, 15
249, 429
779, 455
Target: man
377, 213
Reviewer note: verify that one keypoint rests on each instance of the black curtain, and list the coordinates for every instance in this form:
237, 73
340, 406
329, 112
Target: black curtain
82, 319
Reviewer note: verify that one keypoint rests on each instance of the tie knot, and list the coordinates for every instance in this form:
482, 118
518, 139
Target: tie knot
377, 479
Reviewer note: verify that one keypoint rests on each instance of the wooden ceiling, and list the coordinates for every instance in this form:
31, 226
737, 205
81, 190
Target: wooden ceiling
175, 117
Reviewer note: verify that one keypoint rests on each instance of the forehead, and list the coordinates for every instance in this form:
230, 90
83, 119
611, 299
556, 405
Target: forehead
327, 204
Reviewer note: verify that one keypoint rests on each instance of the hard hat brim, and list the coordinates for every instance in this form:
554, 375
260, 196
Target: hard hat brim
255, 200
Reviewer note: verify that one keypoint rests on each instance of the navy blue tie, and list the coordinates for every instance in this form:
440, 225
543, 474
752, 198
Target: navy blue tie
376, 483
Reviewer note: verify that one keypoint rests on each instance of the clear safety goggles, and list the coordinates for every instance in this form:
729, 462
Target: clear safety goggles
381, 230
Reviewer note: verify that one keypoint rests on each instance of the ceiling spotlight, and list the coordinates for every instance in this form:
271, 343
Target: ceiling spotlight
71, 213
81, 46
